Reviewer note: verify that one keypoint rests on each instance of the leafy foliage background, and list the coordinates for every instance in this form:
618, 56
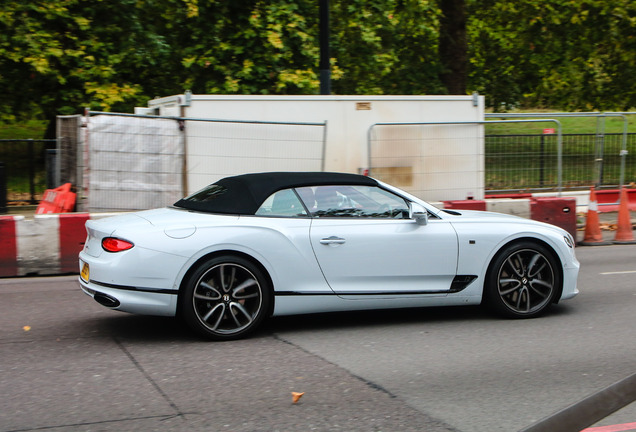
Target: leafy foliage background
58, 56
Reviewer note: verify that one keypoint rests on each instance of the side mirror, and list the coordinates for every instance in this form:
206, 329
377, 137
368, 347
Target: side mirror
418, 213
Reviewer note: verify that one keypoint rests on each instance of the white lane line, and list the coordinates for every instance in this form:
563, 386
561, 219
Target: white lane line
619, 272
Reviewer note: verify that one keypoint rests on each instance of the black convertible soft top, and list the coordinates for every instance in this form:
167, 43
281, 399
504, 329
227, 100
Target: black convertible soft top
244, 194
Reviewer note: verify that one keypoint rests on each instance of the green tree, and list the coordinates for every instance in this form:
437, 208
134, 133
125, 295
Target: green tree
248, 47
570, 54
57, 56
453, 46
385, 47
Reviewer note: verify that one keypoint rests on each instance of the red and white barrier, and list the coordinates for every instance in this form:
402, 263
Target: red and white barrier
44, 245
49, 244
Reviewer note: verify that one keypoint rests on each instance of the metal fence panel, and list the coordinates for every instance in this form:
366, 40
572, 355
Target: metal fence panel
529, 161
139, 162
134, 163
521, 162
219, 149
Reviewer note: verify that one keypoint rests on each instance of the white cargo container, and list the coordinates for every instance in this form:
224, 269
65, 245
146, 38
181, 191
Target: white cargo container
442, 160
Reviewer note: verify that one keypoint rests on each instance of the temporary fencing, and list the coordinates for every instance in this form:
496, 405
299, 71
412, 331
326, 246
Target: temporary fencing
136, 162
440, 160
527, 161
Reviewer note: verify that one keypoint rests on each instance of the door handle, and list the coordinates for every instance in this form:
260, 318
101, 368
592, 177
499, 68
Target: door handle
332, 240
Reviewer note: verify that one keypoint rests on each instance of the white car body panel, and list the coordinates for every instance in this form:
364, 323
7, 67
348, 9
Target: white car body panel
399, 256
383, 263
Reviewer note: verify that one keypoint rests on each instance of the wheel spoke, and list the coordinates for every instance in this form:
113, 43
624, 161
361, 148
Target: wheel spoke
242, 287
239, 307
507, 291
523, 293
226, 284
214, 309
533, 263
545, 284
514, 267
210, 288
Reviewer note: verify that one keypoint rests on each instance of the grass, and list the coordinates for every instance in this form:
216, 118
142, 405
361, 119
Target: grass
30, 129
569, 125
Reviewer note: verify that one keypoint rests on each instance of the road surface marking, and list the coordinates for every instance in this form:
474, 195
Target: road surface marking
613, 428
619, 272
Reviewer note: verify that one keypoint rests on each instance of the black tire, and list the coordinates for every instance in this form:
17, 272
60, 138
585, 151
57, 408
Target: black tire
225, 298
523, 280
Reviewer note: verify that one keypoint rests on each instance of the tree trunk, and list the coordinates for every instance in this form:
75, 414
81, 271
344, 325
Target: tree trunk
453, 46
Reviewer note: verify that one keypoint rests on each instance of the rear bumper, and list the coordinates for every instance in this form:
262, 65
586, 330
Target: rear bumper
130, 299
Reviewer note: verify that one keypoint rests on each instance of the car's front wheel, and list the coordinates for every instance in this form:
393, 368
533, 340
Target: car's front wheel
226, 298
523, 280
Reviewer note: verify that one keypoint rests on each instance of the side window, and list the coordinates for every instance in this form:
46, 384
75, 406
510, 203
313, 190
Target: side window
282, 203
353, 201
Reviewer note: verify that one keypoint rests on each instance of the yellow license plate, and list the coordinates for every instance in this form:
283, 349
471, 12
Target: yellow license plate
85, 273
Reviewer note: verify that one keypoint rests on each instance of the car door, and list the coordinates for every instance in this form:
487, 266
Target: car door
366, 245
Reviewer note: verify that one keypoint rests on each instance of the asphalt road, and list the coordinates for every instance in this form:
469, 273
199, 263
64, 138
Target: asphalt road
66, 363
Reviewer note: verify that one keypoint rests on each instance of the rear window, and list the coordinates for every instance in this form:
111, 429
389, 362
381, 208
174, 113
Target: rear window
208, 193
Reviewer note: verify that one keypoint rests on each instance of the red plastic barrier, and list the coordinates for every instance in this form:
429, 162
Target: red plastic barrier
610, 197
8, 247
556, 211
72, 238
58, 200
465, 205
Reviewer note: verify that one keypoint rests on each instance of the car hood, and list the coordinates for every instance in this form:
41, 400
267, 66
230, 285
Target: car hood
478, 215
472, 216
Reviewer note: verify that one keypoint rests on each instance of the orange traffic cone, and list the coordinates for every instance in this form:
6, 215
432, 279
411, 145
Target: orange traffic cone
624, 233
593, 235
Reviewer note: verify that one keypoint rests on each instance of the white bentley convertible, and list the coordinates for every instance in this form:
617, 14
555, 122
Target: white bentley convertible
256, 245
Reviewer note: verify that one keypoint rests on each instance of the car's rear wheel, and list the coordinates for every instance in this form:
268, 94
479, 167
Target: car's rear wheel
523, 280
226, 298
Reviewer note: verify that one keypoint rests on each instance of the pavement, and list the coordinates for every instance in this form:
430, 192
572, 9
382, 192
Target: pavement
608, 221
68, 364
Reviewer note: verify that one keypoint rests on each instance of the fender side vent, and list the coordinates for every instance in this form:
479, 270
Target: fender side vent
460, 282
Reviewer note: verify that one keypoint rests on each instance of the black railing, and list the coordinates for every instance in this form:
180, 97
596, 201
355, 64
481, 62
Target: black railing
530, 162
25, 168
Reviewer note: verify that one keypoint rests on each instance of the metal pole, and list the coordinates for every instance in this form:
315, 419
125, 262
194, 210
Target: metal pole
599, 149
324, 147
3, 190
30, 155
623, 154
542, 162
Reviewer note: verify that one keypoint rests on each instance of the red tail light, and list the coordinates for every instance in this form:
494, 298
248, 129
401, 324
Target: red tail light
112, 244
